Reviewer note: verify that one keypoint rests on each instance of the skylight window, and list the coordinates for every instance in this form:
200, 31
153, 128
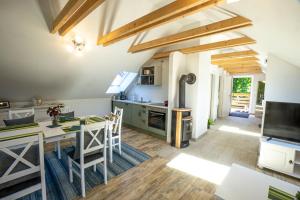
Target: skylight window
121, 82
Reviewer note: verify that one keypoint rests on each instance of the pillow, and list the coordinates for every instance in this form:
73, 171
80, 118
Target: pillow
67, 115
20, 121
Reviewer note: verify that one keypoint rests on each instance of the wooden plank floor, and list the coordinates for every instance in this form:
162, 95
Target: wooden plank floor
152, 179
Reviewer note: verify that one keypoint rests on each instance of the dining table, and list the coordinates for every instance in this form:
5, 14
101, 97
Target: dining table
65, 130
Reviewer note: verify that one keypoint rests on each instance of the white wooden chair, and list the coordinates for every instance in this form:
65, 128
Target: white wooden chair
16, 114
66, 109
22, 168
90, 149
116, 133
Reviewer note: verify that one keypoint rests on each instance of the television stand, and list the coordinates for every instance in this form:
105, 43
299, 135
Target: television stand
279, 155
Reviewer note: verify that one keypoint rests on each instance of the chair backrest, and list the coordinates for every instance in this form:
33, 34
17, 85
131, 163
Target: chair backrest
118, 121
91, 139
66, 109
68, 114
22, 159
16, 114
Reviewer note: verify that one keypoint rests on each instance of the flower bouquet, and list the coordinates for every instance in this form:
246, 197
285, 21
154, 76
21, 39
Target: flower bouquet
54, 113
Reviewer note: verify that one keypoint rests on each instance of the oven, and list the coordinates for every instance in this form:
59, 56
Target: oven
157, 119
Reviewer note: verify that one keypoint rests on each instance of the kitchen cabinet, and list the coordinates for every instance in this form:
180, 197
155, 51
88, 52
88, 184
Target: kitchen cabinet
277, 157
139, 116
151, 75
127, 111
136, 115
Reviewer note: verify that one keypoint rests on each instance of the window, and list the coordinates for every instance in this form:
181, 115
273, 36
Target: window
121, 82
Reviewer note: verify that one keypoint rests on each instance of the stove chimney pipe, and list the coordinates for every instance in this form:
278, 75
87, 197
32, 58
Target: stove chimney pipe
188, 78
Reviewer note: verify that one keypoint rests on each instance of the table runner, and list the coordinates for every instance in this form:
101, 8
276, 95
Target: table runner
89, 120
18, 127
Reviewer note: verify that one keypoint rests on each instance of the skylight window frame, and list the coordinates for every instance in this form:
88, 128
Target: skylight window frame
120, 87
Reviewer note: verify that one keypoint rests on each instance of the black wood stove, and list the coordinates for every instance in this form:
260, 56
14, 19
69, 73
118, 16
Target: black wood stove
181, 131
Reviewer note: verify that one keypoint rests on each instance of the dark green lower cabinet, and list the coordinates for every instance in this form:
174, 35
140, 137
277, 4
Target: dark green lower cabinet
127, 111
137, 116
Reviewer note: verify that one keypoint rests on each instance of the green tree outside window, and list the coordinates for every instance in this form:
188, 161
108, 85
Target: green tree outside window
241, 85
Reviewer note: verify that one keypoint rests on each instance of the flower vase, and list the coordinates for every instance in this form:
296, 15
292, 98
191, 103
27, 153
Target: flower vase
55, 121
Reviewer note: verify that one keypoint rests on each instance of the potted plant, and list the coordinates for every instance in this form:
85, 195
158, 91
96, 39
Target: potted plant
209, 123
298, 196
54, 113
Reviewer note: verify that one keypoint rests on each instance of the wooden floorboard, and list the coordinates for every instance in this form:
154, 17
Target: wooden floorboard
152, 179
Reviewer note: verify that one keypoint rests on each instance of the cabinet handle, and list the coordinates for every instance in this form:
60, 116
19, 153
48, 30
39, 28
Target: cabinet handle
290, 161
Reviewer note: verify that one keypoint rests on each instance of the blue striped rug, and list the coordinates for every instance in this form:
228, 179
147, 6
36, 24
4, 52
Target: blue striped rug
57, 177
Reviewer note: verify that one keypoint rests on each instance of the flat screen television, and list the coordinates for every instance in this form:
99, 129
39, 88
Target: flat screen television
282, 121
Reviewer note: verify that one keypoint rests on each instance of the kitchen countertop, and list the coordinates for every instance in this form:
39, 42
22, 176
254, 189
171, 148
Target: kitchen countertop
149, 104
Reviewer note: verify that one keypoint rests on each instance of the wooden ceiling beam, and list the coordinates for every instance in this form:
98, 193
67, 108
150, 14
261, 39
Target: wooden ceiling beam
168, 13
238, 54
207, 47
240, 65
246, 73
243, 68
87, 7
234, 61
210, 29
68, 10
250, 71
228, 66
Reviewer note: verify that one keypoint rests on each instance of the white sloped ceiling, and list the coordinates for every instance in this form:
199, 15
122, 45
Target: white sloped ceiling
276, 26
34, 62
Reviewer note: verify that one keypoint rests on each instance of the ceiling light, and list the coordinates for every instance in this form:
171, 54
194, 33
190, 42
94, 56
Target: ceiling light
78, 43
232, 1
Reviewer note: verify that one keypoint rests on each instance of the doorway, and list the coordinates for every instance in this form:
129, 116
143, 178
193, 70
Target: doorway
240, 97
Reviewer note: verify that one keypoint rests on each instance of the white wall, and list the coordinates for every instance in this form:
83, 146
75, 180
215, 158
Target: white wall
192, 91
177, 63
82, 107
198, 95
282, 81
152, 93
